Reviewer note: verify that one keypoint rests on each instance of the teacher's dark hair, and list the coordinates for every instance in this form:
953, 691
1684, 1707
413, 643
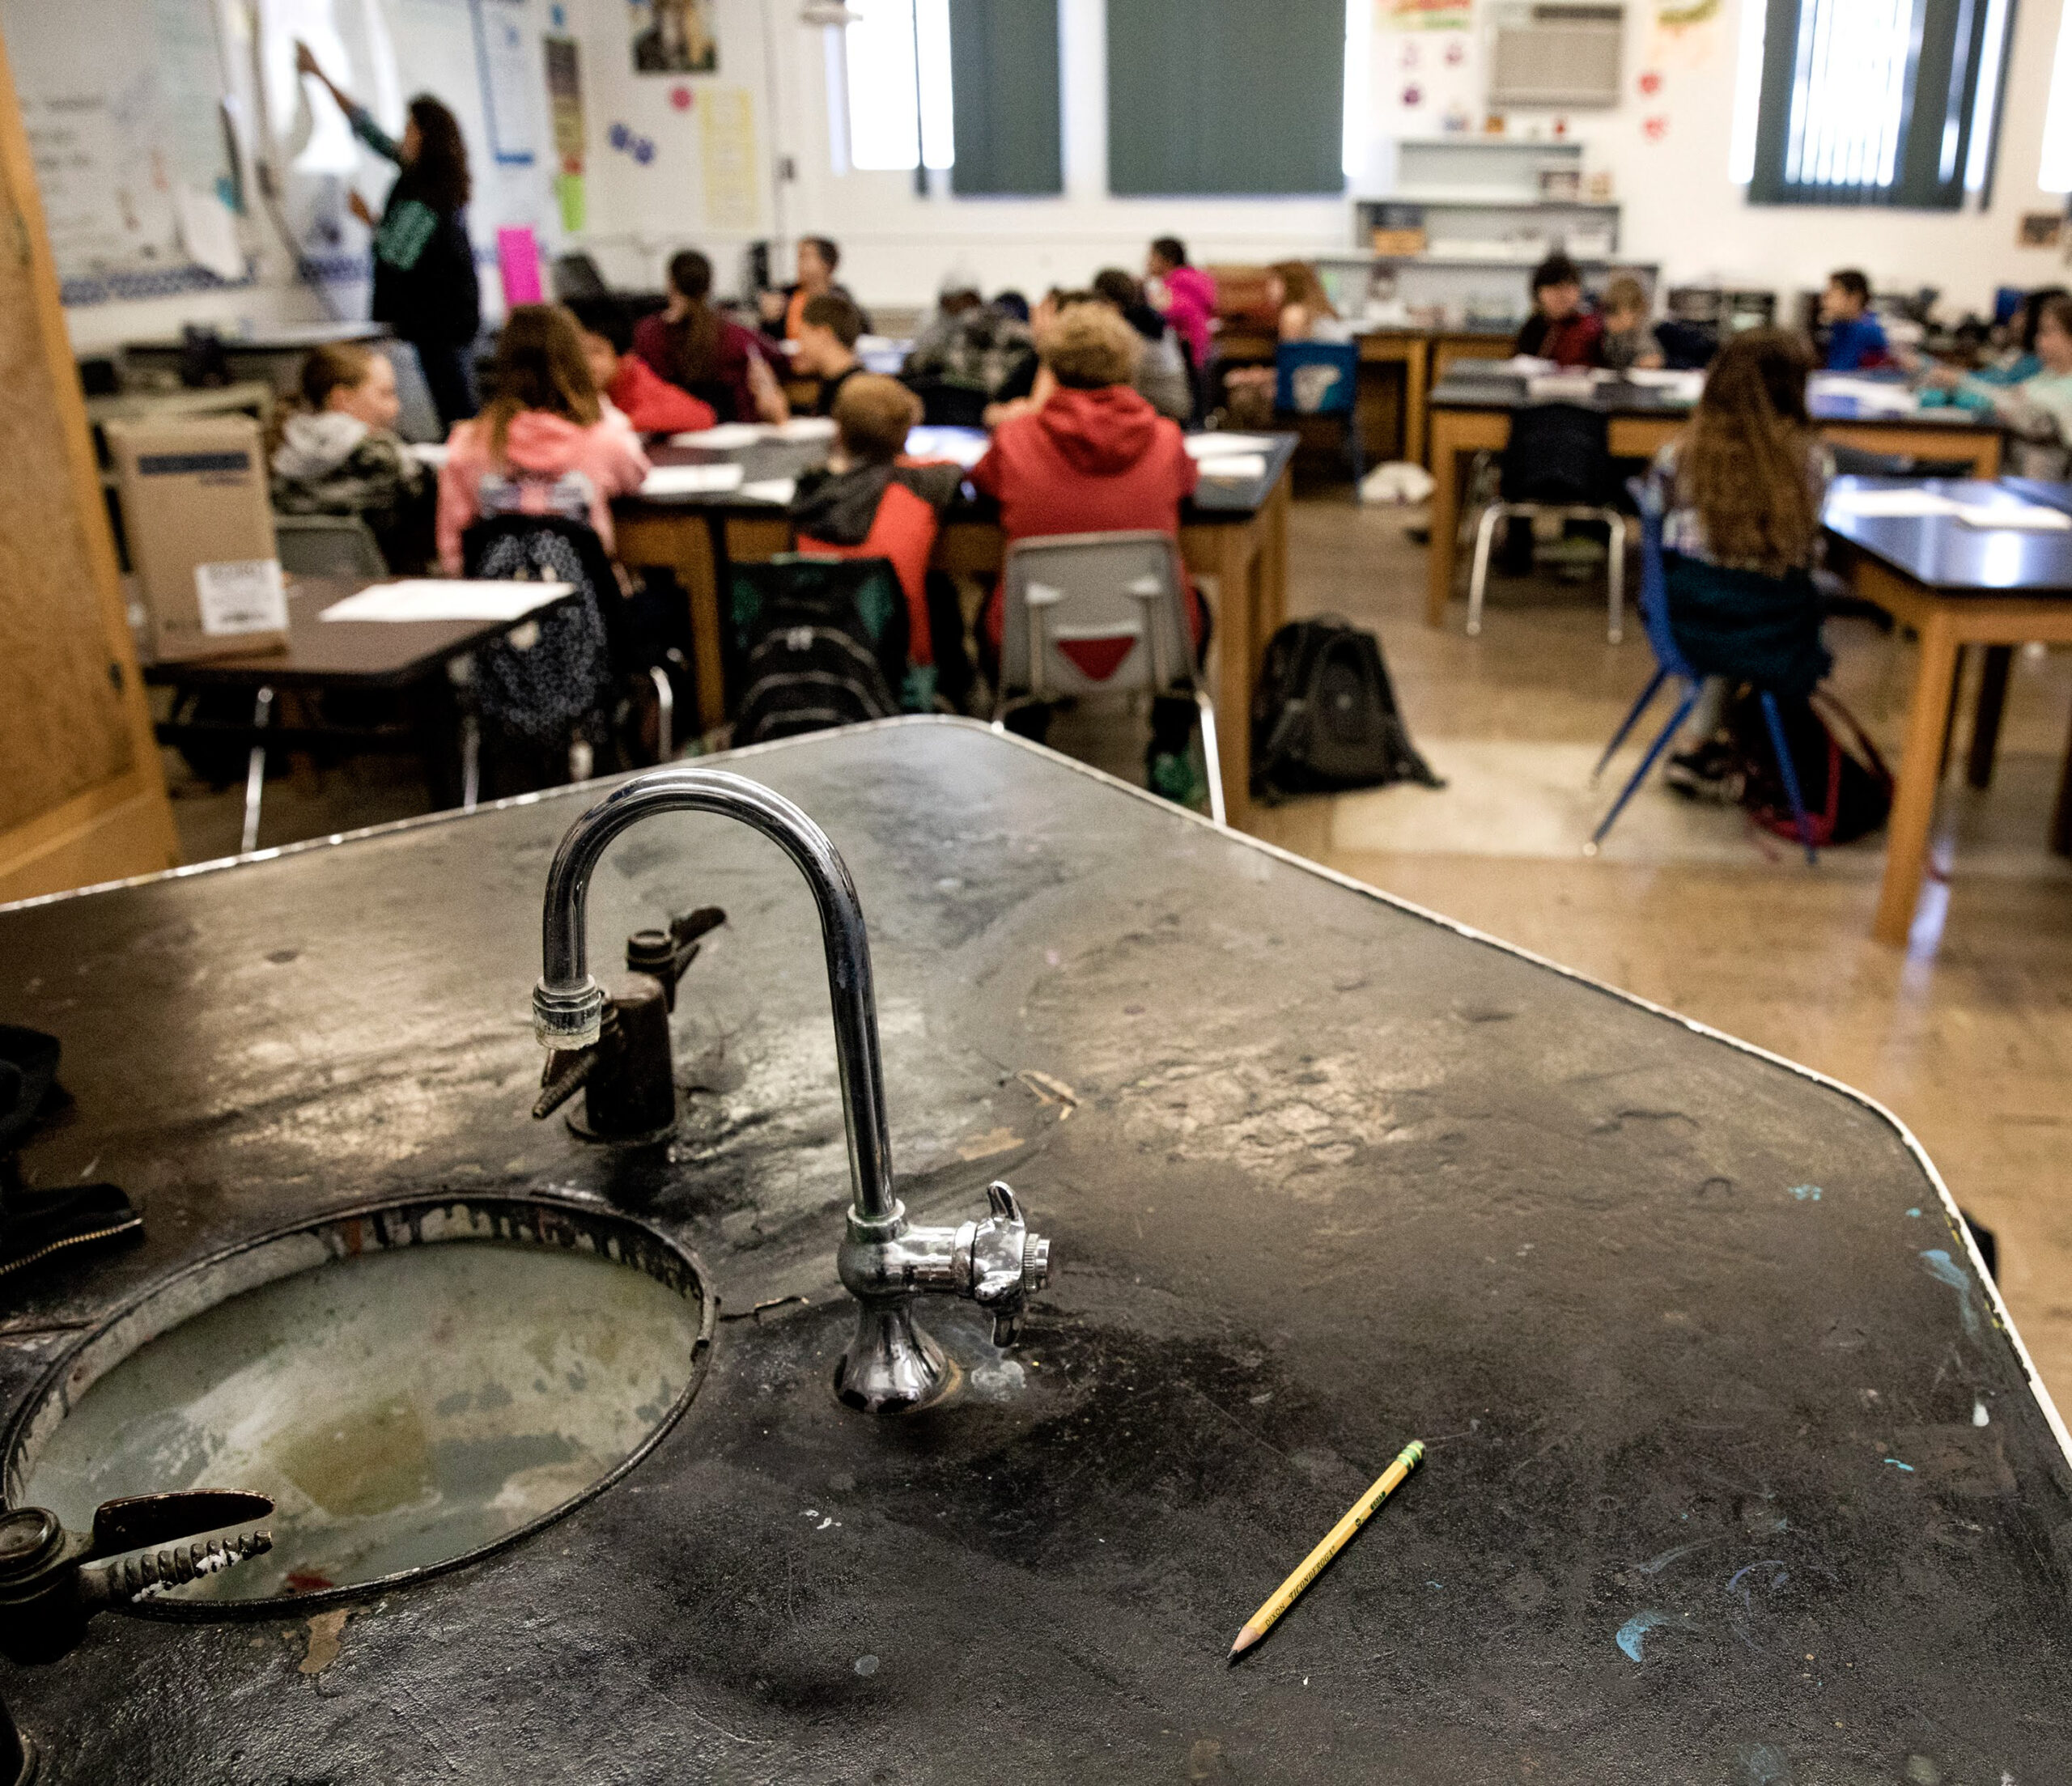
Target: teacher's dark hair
439, 173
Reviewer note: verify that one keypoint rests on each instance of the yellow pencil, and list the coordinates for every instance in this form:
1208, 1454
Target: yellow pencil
1336, 1540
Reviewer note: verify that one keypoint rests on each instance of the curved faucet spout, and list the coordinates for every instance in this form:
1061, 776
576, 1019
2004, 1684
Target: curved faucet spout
568, 1005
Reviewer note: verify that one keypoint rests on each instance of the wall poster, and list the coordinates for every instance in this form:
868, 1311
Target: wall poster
673, 37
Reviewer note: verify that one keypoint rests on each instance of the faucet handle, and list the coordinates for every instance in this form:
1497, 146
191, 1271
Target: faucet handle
664, 954
1001, 1262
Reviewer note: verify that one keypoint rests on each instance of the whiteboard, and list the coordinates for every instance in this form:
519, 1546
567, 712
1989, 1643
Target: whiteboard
121, 99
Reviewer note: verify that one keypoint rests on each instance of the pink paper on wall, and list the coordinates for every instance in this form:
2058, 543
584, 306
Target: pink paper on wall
518, 261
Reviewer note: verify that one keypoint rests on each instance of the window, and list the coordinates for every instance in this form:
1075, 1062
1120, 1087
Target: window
1226, 96
2055, 175
898, 81
1869, 102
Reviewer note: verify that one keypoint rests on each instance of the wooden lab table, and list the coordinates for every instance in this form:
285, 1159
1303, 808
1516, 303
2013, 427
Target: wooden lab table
1956, 585
1234, 533
1473, 414
1737, 1473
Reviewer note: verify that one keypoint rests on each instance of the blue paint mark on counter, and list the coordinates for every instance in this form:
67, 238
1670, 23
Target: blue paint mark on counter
1945, 1270
1634, 1632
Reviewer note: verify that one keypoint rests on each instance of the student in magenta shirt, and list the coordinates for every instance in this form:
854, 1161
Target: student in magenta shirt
1185, 294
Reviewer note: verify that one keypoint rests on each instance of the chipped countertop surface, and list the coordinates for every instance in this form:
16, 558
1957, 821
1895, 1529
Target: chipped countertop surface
1735, 1475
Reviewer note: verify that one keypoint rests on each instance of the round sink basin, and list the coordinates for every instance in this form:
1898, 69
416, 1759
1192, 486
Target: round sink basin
415, 1385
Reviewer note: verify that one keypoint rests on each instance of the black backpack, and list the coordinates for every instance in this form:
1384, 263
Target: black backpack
1846, 787
1324, 717
821, 642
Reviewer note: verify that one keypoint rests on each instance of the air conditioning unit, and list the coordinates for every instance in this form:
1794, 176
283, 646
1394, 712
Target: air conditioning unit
1556, 52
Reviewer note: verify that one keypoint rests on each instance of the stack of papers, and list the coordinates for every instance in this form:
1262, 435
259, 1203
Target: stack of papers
770, 489
1235, 467
440, 598
1873, 397
806, 427
965, 447
1890, 502
1216, 445
728, 437
2026, 516
691, 480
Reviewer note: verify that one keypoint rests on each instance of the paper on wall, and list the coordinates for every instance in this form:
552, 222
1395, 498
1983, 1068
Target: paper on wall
208, 230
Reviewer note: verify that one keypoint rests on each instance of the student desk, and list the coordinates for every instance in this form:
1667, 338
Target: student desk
1698, 1352
1473, 414
406, 658
1236, 534
1955, 585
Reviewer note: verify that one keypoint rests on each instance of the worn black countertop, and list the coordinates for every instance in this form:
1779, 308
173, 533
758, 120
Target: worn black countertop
1323, 1173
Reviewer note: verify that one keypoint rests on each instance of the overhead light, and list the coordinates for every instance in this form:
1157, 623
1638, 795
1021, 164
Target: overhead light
827, 12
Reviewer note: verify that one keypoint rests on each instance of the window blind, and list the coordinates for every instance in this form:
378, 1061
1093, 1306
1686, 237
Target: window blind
1225, 96
1004, 89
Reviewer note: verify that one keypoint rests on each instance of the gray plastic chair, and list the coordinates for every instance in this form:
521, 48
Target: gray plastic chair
328, 545
1102, 613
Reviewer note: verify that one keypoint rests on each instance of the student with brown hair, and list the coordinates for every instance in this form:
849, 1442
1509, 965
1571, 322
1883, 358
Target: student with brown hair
1628, 340
1742, 488
716, 359
542, 446
829, 329
1561, 328
873, 502
339, 453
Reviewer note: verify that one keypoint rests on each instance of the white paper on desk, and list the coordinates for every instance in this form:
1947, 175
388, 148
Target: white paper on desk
2025, 516
1216, 446
1686, 387
1890, 502
807, 427
444, 598
429, 452
691, 480
964, 447
727, 438
1875, 396
1238, 467
779, 490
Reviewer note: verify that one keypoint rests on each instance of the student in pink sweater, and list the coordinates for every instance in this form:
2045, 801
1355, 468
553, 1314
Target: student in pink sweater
542, 445
1185, 294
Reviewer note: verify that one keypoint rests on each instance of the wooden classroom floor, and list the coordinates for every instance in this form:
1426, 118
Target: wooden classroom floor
1966, 1037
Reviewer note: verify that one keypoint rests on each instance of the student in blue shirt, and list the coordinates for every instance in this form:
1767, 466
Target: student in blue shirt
1856, 339
424, 264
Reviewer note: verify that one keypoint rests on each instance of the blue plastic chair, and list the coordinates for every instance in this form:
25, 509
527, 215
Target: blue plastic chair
1321, 378
1669, 662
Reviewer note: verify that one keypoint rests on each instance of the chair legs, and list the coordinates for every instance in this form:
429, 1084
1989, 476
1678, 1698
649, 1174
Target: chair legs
471, 762
666, 714
255, 773
1212, 756
1627, 724
1640, 774
1614, 577
1790, 771
1485, 535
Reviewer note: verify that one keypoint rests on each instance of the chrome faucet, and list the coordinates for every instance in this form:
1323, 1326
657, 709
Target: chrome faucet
885, 1262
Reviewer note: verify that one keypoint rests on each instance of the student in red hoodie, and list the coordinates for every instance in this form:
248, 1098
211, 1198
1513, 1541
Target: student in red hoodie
649, 402
1095, 458
543, 446
693, 345
1560, 328
873, 502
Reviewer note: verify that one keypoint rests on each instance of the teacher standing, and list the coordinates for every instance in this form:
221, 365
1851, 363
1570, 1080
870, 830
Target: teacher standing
424, 264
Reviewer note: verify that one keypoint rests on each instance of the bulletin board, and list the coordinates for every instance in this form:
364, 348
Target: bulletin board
122, 101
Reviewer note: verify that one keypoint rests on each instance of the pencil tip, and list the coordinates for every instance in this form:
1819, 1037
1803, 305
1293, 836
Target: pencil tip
1245, 1639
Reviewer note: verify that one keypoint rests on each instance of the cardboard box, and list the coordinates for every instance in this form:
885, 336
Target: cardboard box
201, 534
1399, 242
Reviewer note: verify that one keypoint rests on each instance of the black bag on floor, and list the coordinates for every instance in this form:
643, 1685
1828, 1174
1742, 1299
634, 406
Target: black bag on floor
1324, 716
1847, 789
822, 643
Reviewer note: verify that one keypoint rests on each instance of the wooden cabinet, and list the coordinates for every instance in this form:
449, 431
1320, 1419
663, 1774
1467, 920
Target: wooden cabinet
81, 792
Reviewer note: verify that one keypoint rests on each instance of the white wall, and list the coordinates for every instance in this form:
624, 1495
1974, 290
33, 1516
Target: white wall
1681, 208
